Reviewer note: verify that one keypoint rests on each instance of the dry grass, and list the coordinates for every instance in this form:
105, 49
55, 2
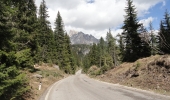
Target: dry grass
152, 73
49, 76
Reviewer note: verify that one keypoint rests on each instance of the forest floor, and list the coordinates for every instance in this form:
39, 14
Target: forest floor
152, 74
44, 74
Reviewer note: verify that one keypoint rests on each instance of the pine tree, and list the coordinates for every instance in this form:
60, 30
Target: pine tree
43, 15
102, 46
121, 47
45, 36
164, 35
86, 63
26, 30
132, 39
5, 32
12, 81
64, 55
112, 48
93, 55
145, 48
70, 54
153, 41
32, 29
102, 51
59, 38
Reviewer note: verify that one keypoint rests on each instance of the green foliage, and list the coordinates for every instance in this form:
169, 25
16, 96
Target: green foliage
145, 48
112, 47
5, 32
135, 48
44, 37
101, 55
13, 84
59, 39
23, 58
121, 47
26, 39
164, 36
86, 63
94, 71
130, 31
79, 52
63, 52
153, 41
104, 69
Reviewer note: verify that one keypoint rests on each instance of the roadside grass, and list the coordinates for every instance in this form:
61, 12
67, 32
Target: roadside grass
47, 75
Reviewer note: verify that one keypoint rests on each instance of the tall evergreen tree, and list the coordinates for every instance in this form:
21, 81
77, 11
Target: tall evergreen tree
102, 51
133, 42
70, 54
25, 30
59, 38
12, 81
164, 34
93, 55
64, 55
121, 47
45, 36
5, 32
153, 41
145, 48
43, 15
102, 46
112, 48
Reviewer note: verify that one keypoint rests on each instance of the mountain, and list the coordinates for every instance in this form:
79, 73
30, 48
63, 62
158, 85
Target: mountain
72, 32
82, 38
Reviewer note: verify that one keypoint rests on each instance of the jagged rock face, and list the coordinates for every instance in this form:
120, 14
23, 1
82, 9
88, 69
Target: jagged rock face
81, 38
72, 32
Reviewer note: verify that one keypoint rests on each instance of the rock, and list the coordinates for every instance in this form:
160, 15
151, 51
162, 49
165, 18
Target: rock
56, 66
38, 76
135, 74
102, 76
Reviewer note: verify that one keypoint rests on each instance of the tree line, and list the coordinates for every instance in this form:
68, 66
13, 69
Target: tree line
25, 39
133, 43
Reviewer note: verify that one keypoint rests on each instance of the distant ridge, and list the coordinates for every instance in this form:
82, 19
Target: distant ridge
82, 38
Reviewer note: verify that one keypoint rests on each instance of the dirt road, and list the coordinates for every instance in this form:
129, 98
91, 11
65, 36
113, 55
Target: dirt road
81, 87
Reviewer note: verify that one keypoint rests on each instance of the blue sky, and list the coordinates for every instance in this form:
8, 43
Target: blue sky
95, 17
157, 12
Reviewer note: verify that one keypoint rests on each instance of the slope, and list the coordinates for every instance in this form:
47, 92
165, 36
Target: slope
44, 74
152, 73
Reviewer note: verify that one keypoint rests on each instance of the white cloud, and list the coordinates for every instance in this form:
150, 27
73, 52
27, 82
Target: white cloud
163, 3
146, 22
94, 18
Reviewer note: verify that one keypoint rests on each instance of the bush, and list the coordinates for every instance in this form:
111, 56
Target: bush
94, 70
104, 69
13, 83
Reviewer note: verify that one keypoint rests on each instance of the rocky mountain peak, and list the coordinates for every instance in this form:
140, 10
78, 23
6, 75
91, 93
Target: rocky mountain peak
82, 38
72, 32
